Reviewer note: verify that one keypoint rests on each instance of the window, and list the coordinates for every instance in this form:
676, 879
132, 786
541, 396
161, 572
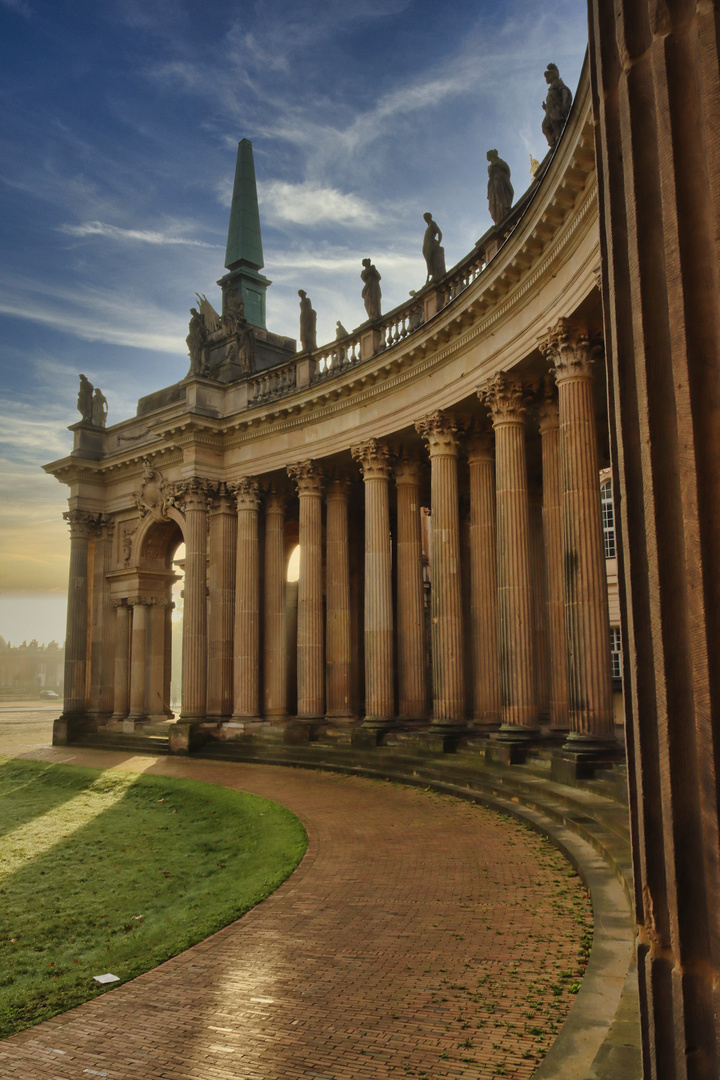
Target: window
608, 518
615, 652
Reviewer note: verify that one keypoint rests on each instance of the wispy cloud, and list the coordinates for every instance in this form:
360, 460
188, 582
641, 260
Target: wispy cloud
311, 204
115, 232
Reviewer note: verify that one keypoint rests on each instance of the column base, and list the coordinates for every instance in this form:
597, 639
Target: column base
368, 738
438, 740
302, 729
71, 726
510, 744
184, 737
580, 757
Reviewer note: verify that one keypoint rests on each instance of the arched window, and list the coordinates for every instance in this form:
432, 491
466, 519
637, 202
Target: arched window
608, 518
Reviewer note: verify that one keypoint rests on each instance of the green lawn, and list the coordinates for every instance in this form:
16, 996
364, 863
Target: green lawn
116, 872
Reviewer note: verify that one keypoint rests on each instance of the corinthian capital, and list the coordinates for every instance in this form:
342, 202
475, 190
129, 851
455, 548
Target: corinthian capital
504, 395
547, 408
440, 432
192, 494
569, 351
247, 492
308, 477
408, 469
81, 523
374, 458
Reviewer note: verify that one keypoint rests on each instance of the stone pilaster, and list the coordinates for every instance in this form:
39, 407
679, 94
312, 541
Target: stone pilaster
338, 658
586, 605
374, 459
157, 702
247, 602
102, 646
412, 672
139, 657
121, 679
193, 495
275, 651
76, 640
505, 398
308, 478
552, 527
222, 542
440, 432
483, 583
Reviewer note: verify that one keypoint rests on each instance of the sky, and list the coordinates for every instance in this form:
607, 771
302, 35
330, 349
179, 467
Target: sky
118, 139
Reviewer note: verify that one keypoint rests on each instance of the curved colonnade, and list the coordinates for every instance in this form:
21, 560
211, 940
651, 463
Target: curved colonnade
479, 405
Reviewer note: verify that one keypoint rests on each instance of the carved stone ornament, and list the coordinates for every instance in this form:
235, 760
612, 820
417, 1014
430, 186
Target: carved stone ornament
440, 431
480, 442
505, 397
569, 351
126, 540
308, 477
547, 408
247, 492
156, 494
221, 499
408, 469
81, 523
374, 458
191, 494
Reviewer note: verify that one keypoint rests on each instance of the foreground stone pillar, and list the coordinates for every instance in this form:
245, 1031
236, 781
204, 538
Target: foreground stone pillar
505, 398
587, 620
194, 495
440, 433
337, 565
76, 640
656, 83
139, 658
247, 602
310, 652
374, 459
552, 527
483, 583
102, 650
222, 542
275, 651
412, 678
121, 679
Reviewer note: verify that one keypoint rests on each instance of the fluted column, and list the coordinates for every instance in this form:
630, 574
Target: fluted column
337, 567
156, 699
193, 496
310, 652
505, 398
121, 680
374, 459
552, 527
412, 677
586, 605
539, 584
483, 582
139, 657
246, 677
440, 432
102, 651
222, 540
275, 652
76, 640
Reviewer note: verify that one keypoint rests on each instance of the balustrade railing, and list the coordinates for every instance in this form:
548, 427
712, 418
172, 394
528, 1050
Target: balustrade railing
336, 357
271, 384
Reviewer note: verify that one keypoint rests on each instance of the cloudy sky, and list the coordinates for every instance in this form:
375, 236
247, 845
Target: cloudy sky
118, 138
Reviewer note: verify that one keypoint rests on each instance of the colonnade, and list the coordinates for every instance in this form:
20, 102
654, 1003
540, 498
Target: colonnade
530, 643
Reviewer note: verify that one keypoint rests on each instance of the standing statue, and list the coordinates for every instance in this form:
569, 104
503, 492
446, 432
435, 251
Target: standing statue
500, 190
557, 106
85, 399
99, 408
233, 314
308, 323
371, 293
340, 331
196, 341
433, 253
246, 347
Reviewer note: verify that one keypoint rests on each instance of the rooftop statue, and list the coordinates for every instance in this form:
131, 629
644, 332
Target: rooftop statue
196, 341
433, 253
557, 106
99, 408
233, 316
308, 323
85, 399
500, 190
208, 313
340, 331
371, 293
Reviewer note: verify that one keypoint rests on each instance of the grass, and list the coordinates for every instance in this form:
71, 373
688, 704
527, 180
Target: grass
116, 872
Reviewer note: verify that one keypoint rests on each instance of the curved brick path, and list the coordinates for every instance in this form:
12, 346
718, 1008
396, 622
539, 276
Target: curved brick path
420, 936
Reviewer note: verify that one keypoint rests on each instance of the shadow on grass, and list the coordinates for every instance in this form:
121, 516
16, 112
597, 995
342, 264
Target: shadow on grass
25, 792
144, 867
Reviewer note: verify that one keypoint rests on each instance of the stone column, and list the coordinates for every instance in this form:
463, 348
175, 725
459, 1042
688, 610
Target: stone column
247, 602
440, 432
587, 620
121, 680
222, 541
76, 640
505, 398
539, 582
102, 648
412, 681
310, 653
167, 666
483, 583
374, 459
275, 652
552, 527
337, 568
139, 657
156, 699
194, 495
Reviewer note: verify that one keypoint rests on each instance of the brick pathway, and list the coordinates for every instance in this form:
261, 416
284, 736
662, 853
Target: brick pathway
419, 937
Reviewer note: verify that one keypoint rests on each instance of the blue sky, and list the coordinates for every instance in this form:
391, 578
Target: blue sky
118, 137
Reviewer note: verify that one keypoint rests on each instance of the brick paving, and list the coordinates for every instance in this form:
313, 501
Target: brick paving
420, 936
